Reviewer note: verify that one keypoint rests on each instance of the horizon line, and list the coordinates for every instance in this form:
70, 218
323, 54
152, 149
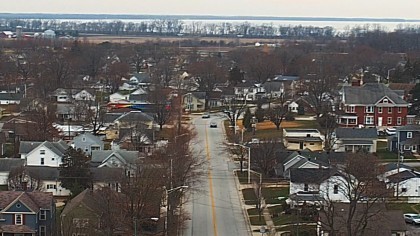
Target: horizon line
207, 16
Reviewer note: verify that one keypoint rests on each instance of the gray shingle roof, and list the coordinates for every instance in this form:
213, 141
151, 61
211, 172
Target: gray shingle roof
43, 172
409, 128
129, 156
58, 148
310, 175
135, 116
6, 164
369, 94
353, 133
11, 96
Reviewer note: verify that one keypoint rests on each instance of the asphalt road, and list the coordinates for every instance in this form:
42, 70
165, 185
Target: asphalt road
215, 209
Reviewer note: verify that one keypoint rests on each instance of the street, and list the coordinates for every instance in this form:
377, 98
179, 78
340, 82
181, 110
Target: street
215, 209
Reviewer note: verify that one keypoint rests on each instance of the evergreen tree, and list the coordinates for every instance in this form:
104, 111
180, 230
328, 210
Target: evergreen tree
75, 174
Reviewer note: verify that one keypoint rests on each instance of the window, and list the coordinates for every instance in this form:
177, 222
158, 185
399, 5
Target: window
42, 152
399, 109
399, 120
80, 222
43, 215
18, 205
379, 109
94, 148
52, 158
389, 120
390, 110
403, 189
406, 147
409, 134
305, 187
369, 109
369, 120
18, 219
350, 109
385, 101
42, 231
51, 186
83, 139
335, 188
42, 161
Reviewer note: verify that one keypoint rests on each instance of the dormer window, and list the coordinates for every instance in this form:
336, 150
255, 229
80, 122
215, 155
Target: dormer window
385, 101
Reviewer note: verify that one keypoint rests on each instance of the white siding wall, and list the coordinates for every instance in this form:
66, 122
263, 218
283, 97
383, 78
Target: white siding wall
50, 158
299, 187
327, 189
59, 191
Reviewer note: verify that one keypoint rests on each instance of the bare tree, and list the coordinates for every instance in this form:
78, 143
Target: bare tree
358, 182
277, 112
263, 155
22, 179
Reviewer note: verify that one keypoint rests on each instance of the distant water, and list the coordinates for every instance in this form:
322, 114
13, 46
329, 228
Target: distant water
338, 25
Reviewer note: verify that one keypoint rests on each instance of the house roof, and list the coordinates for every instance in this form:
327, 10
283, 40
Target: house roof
285, 78
44, 172
142, 77
310, 175
381, 221
90, 137
138, 97
111, 117
135, 116
106, 174
34, 200
6, 164
369, 94
129, 156
17, 229
357, 142
394, 166
404, 175
11, 96
58, 148
356, 133
409, 128
85, 198
199, 95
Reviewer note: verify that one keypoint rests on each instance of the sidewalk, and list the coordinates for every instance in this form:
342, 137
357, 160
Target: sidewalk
255, 229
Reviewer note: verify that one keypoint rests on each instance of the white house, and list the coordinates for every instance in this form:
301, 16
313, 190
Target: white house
293, 107
42, 153
316, 185
405, 184
84, 95
300, 139
118, 97
127, 160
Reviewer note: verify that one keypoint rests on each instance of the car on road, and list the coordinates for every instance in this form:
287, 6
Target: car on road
213, 124
390, 131
205, 115
412, 218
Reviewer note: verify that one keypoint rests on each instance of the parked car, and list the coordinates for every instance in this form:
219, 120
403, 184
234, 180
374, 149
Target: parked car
213, 124
205, 115
390, 131
412, 218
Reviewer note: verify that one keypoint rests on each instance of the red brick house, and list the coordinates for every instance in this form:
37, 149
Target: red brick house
371, 105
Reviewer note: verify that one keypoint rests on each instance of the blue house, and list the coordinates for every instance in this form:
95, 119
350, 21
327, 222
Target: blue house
408, 139
27, 213
88, 142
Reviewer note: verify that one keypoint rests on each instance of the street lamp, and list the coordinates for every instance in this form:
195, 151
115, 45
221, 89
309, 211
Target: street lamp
249, 160
167, 192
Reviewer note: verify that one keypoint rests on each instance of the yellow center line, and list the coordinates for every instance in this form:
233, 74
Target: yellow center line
213, 209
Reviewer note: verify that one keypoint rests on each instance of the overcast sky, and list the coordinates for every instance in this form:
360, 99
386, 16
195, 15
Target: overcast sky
407, 9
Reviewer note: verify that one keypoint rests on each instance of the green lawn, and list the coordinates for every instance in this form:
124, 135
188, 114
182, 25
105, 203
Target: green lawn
405, 207
255, 220
270, 195
301, 230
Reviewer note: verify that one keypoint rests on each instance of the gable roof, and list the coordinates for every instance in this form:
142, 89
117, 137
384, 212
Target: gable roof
33, 200
135, 116
99, 157
370, 94
85, 198
142, 77
404, 175
356, 133
58, 148
310, 175
90, 137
